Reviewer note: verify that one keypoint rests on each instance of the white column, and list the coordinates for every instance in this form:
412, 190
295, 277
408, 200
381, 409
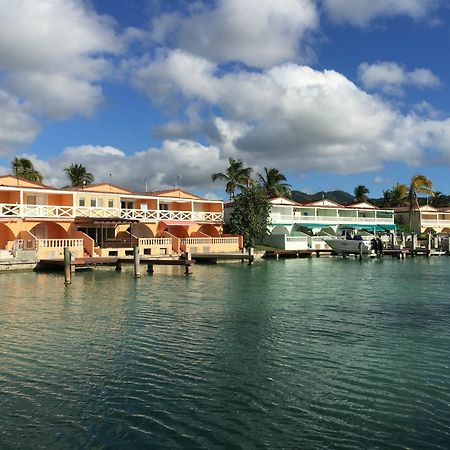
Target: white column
74, 204
21, 203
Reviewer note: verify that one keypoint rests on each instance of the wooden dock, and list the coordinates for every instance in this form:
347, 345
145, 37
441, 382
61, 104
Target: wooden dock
216, 257
306, 253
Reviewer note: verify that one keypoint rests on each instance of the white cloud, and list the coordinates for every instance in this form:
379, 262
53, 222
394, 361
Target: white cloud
361, 12
17, 127
256, 32
53, 54
296, 118
189, 160
390, 77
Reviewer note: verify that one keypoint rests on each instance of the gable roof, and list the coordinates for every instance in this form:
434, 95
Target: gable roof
362, 205
107, 188
324, 203
13, 181
282, 201
175, 192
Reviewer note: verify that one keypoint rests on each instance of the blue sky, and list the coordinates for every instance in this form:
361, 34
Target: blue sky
334, 93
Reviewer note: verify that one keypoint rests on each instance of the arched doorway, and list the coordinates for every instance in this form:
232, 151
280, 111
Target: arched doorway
49, 230
5, 235
209, 230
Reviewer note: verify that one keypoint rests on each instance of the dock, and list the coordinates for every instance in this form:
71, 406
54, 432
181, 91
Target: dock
306, 253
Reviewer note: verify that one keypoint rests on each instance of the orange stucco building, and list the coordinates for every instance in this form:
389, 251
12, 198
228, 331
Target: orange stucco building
108, 220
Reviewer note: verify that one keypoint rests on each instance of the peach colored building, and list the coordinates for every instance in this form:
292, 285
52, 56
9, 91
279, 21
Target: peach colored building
107, 220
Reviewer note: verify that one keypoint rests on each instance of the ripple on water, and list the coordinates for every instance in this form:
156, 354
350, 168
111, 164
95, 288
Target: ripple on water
289, 354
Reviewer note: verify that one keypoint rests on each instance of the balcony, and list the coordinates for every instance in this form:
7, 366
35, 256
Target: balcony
69, 212
332, 220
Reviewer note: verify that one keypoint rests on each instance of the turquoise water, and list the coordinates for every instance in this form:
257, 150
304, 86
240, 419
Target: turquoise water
320, 353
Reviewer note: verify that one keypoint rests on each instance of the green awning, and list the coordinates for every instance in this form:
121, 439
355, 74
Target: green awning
375, 228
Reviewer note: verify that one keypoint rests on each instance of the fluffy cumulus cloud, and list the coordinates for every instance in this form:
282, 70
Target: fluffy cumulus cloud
159, 168
361, 12
52, 57
297, 117
17, 127
258, 33
391, 77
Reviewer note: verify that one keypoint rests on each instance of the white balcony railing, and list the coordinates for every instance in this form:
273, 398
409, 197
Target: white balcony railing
279, 218
60, 243
206, 241
149, 242
67, 212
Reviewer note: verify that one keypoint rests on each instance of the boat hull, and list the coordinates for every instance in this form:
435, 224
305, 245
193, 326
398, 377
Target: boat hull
349, 247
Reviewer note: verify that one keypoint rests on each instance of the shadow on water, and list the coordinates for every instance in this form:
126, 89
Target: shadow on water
319, 353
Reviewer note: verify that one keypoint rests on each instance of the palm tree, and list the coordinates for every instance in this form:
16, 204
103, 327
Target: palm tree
78, 175
396, 196
420, 184
237, 177
360, 193
274, 183
439, 200
24, 168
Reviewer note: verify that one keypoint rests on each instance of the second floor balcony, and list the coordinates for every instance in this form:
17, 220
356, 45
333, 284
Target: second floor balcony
71, 212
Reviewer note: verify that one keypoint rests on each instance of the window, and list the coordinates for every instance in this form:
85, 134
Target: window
110, 203
164, 206
96, 202
81, 202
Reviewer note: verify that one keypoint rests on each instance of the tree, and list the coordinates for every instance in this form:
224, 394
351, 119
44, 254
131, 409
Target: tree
439, 200
250, 216
420, 184
78, 175
360, 193
396, 196
237, 177
274, 183
24, 168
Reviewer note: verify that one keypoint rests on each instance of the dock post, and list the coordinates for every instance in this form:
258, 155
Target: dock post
67, 269
187, 266
251, 255
118, 266
136, 262
360, 251
243, 252
403, 240
150, 269
429, 245
392, 236
413, 243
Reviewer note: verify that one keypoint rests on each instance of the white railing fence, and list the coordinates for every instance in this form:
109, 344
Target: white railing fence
64, 212
149, 242
205, 241
60, 243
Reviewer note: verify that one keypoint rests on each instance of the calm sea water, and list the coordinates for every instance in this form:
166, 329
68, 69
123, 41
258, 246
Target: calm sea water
320, 353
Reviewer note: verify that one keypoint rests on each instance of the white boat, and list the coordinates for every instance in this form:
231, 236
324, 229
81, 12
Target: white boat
344, 246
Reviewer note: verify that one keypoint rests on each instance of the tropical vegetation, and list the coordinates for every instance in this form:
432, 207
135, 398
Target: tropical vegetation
419, 184
24, 168
250, 217
236, 177
274, 183
78, 175
361, 192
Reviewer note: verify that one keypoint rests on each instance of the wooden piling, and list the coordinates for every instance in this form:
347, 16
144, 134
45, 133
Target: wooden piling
251, 255
136, 262
67, 268
413, 244
429, 245
150, 269
118, 266
360, 251
187, 267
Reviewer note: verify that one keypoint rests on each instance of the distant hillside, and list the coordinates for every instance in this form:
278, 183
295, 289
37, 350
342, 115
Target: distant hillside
335, 196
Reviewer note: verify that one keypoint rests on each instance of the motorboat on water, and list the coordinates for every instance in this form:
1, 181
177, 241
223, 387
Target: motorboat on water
351, 243
344, 246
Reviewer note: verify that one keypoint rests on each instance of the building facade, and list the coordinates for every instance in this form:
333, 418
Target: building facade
298, 226
106, 220
425, 219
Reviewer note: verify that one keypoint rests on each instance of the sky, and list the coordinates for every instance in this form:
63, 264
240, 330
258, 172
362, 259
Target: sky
158, 93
